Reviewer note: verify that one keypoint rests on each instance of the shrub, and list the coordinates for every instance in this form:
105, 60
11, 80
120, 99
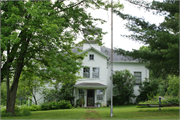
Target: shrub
53, 105
17, 110
147, 89
35, 107
123, 82
173, 84
45, 106
4, 114
64, 104
25, 111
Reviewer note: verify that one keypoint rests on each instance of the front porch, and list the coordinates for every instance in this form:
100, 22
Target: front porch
93, 94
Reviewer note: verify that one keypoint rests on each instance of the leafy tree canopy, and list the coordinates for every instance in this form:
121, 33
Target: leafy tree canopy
162, 41
123, 82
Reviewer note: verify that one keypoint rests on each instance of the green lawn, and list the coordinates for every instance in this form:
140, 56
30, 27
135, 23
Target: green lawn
120, 112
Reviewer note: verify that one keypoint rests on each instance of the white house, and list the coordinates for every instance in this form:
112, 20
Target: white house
96, 83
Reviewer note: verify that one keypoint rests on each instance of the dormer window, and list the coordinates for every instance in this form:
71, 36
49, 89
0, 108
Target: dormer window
91, 57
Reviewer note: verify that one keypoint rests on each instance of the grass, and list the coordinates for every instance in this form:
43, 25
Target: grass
119, 112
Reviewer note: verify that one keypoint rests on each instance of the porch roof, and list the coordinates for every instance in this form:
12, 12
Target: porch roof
90, 85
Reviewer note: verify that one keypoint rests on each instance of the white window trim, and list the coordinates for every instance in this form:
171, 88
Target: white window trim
102, 95
141, 75
91, 71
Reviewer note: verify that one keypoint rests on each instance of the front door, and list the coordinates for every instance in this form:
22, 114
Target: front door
90, 97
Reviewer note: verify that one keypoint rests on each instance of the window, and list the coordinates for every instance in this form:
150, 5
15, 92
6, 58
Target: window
137, 76
91, 57
86, 72
81, 93
95, 72
91, 72
100, 94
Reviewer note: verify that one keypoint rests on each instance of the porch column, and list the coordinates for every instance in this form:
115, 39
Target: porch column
85, 97
105, 101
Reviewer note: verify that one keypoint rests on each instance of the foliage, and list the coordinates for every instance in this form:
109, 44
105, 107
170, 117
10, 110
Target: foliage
124, 83
81, 102
163, 40
34, 107
64, 104
4, 114
60, 92
166, 100
19, 111
56, 105
173, 84
25, 111
45, 106
38, 37
149, 87
3, 94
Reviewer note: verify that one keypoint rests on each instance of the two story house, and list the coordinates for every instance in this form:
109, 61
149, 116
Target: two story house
96, 84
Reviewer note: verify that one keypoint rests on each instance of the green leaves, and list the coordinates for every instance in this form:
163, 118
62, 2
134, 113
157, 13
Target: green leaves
124, 83
162, 52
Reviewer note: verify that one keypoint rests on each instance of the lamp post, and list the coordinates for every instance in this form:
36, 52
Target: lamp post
111, 58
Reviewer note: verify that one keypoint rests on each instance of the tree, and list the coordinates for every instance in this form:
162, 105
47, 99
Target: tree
163, 40
123, 82
63, 91
38, 36
149, 87
173, 82
29, 84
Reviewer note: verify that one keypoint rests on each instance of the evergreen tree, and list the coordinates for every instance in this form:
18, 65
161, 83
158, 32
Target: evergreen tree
162, 52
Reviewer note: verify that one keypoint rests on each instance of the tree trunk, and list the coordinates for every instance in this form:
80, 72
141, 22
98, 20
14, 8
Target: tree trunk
35, 99
13, 90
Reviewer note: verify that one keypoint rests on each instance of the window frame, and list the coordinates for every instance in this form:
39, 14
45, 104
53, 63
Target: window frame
89, 72
81, 95
99, 95
90, 57
138, 79
94, 72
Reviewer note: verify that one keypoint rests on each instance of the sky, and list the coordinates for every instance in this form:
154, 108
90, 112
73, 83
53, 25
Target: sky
119, 28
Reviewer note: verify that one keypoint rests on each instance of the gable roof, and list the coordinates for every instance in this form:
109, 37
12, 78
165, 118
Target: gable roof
107, 52
91, 48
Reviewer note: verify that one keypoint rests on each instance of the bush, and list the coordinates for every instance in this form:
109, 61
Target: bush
25, 111
19, 111
123, 90
64, 104
148, 88
35, 107
56, 105
53, 105
4, 114
173, 84
45, 106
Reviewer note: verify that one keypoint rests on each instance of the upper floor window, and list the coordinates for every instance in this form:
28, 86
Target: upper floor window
91, 57
100, 94
86, 72
91, 72
95, 72
137, 76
